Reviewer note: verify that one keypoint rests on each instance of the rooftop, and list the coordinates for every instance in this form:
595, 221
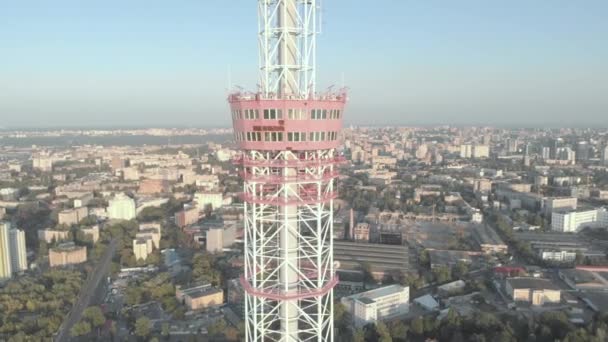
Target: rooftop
532, 283
380, 257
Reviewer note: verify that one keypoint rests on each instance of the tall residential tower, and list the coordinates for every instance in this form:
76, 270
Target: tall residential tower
288, 134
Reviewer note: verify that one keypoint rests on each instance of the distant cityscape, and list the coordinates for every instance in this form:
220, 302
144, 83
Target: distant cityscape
435, 228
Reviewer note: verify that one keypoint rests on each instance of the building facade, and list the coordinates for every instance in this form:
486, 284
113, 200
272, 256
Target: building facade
533, 290
378, 304
6, 267
18, 251
573, 221
121, 207
67, 254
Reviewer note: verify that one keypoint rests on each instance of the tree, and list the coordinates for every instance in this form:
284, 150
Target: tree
383, 332
165, 330
340, 316
142, 327
398, 330
359, 335
442, 274
94, 315
417, 326
80, 329
460, 270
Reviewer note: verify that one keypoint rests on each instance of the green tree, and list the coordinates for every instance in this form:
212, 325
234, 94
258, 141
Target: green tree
398, 330
417, 326
80, 329
94, 315
142, 327
165, 330
442, 274
359, 335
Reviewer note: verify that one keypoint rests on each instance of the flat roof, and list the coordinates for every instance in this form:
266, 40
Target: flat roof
532, 283
378, 293
382, 257
366, 300
201, 290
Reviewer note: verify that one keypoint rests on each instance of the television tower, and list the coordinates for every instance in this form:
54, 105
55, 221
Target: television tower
288, 134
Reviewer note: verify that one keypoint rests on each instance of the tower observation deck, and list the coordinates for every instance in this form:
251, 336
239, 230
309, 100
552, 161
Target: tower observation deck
288, 134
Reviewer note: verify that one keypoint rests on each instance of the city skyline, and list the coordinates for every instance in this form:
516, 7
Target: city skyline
150, 64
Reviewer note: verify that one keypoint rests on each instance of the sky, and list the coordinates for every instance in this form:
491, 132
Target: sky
111, 63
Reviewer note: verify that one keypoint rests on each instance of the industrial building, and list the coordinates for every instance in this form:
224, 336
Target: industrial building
561, 247
382, 259
379, 304
535, 291
586, 278
488, 240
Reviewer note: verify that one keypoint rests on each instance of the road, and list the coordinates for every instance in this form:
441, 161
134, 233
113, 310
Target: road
86, 293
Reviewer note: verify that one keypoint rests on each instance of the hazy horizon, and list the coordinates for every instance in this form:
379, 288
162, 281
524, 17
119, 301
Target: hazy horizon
159, 64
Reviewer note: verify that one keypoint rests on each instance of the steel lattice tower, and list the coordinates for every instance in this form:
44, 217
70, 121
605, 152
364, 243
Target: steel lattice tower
288, 134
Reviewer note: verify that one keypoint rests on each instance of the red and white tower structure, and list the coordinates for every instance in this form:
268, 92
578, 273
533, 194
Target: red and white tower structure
288, 134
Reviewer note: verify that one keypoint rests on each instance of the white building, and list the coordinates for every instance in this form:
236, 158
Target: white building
18, 251
43, 162
121, 207
378, 304
566, 153
481, 151
575, 220
466, 151
142, 248
6, 268
203, 199
605, 156
560, 256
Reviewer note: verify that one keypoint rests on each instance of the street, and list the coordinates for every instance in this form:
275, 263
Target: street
86, 293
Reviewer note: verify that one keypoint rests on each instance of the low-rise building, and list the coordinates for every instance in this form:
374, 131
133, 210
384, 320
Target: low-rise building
67, 254
91, 233
558, 256
52, 235
72, 216
208, 199
200, 297
586, 278
533, 290
488, 240
379, 304
382, 259
154, 186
